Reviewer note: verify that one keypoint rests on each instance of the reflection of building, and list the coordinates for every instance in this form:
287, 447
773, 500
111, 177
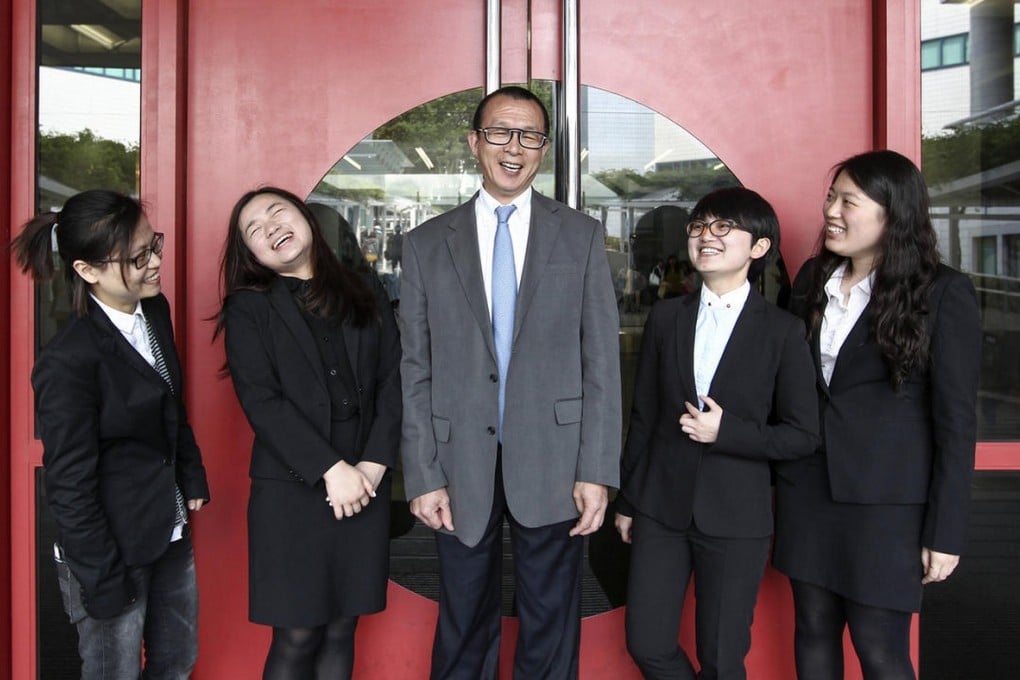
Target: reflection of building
971, 118
968, 81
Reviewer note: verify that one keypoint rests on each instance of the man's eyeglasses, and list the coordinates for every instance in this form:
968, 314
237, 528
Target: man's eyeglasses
718, 228
500, 136
141, 259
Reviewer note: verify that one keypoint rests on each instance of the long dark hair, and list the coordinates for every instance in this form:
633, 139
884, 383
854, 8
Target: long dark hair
334, 292
904, 268
93, 226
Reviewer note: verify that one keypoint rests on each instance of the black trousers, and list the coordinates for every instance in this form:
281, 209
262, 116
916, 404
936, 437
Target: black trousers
547, 564
727, 573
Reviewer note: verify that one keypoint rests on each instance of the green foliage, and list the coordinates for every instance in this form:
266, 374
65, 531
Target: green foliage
440, 127
970, 150
691, 183
84, 161
355, 195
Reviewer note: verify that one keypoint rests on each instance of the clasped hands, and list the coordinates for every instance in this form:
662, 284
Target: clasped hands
350, 487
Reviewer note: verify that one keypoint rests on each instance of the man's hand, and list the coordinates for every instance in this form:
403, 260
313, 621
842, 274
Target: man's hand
433, 508
591, 501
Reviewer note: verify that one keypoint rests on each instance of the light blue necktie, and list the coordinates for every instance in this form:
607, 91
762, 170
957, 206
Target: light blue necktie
504, 299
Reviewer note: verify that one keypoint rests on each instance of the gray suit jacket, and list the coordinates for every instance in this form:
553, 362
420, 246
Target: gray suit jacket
562, 420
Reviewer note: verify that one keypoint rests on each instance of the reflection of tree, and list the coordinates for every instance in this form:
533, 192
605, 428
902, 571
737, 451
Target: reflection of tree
438, 126
970, 150
354, 195
691, 183
84, 161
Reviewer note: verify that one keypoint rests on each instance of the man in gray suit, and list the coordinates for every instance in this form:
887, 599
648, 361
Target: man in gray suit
511, 398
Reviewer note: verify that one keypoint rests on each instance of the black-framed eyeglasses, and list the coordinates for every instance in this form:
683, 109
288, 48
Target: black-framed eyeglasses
141, 259
501, 136
720, 228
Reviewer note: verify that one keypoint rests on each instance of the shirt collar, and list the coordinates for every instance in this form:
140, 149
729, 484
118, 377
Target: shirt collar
124, 322
733, 300
491, 203
863, 286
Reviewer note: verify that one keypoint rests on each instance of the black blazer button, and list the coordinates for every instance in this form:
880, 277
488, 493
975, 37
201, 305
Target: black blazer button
490, 429
332, 372
493, 377
346, 402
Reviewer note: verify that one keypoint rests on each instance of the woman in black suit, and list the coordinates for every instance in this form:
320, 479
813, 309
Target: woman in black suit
881, 509
313, 351
121, 465
724, 386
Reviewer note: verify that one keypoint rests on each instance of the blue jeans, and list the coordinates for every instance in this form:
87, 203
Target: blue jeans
164, 616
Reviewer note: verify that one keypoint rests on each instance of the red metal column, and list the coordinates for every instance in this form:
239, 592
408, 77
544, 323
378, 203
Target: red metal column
26, 453
5, 339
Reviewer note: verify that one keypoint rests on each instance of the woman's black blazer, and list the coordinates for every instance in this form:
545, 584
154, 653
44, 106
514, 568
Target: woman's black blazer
915, 445
765, 386
115, 440
280, 381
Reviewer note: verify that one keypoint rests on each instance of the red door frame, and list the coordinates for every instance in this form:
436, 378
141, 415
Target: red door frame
224, 111
5, 316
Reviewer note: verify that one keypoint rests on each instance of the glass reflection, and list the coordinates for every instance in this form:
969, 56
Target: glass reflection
89, 115
641, 175
971, 161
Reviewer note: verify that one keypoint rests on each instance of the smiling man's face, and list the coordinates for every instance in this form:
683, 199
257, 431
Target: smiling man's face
508, 170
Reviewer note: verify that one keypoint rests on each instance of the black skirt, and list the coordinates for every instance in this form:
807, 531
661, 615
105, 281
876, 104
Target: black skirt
870, 554
306, 568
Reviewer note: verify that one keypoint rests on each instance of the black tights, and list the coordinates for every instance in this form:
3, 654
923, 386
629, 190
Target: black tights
881, 637
309, 653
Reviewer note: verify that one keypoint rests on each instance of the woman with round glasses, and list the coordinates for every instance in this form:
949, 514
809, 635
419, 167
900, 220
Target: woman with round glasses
881, 508
122, 468
724, 386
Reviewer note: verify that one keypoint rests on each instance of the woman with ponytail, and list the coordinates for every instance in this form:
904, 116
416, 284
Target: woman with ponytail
122, 469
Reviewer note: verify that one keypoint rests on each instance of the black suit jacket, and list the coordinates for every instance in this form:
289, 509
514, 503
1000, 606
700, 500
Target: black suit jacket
115, 439
765, 386
279, 379
911, 446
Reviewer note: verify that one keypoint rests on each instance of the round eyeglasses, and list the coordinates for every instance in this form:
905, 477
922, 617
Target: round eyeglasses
141, 259
501, 136
719, 228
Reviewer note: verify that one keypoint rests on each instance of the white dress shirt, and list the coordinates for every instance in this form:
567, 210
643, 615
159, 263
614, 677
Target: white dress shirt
840, 316
132, 326
717, 316
520, 228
